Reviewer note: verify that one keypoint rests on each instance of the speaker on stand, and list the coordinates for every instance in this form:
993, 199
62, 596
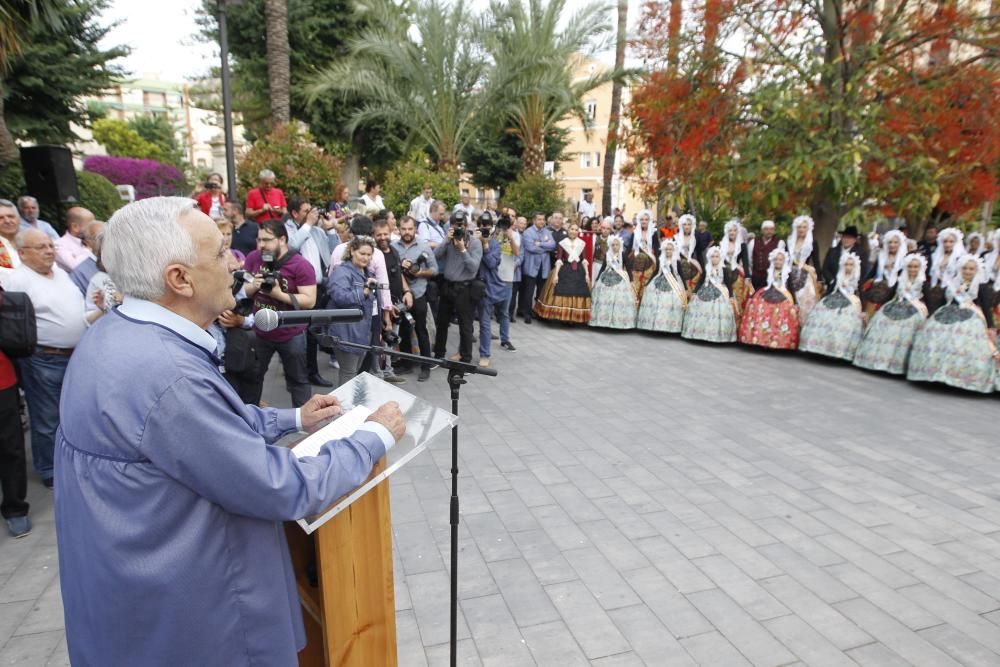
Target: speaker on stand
50, 177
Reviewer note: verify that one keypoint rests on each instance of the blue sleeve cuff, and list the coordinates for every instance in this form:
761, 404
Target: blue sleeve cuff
298, 419
381, 431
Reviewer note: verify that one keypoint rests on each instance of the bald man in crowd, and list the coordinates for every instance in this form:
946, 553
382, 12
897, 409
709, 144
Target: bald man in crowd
70, 249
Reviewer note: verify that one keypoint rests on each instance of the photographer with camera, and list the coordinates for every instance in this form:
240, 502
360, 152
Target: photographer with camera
307, 233
210, 197
353, 285
399, 291
419, 265
266, 202
283, 280
497, 297
459, 257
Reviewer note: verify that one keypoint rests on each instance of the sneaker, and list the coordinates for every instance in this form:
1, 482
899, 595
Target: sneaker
403, 370
507, 346
456, 357
334, 363
425, 374
394, 379
493, 336
484, 362
19, 526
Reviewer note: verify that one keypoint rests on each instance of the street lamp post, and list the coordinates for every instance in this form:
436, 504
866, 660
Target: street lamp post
227, 102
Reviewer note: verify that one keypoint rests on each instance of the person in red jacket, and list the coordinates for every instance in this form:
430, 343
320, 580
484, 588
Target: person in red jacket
211, 199
266, 202
13, 468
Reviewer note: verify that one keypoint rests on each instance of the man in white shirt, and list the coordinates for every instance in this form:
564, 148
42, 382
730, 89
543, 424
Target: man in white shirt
372, 199
465, 206
420, 207
61, 321
28, 207
586, 207
70, 249
432, 229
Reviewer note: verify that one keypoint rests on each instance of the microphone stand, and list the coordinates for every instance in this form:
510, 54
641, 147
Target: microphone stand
457, 371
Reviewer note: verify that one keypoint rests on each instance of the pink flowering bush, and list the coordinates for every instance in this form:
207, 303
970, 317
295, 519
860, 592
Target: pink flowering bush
149, 177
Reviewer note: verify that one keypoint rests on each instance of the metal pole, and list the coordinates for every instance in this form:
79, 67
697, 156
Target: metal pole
227, 103
455, 381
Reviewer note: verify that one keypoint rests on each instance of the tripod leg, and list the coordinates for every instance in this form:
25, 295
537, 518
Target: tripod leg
455, 380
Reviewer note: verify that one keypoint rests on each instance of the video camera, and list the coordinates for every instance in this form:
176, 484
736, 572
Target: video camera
270, 275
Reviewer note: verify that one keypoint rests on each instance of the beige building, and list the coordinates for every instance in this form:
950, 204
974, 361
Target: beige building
584, 171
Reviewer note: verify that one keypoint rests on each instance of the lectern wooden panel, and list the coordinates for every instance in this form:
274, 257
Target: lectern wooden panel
350, 616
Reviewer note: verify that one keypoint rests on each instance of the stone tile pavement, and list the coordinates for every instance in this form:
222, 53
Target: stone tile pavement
631, 499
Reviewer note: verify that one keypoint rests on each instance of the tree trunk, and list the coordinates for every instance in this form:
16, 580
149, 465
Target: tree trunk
611, 146
278, 68
534, 159
350, 172
826, 214
8, 149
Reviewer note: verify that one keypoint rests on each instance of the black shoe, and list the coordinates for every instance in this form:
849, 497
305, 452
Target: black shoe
425, 374
402, 370
49, 483
493, 336
507, 346
527, 321
319, 380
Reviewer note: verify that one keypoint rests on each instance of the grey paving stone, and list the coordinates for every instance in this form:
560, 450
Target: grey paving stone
416, 547
523, 593
712, 649
544, 558
409, 648
497, 639
746, 592
618, 549
491, 537
602, 578
593, 629
877, 655
30, 650
682, 573
952, 587
960, 646
888, 600
826, 620
629, 659
746, 634
893, 634
956, 615
673, 609
429, 592
466, 654
806, 643
553, 645
649, 638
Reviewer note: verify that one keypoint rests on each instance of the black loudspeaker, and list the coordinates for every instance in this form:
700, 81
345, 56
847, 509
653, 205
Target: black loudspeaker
49, 173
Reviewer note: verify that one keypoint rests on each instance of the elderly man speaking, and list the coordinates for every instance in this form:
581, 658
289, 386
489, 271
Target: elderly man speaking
169, 489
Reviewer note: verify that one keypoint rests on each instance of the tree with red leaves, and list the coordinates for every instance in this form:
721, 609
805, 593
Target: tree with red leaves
824, 106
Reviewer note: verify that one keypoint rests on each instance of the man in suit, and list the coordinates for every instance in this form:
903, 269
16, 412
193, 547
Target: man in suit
831, 265
536, 250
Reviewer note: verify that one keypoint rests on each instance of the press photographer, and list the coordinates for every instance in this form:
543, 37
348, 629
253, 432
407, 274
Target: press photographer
459, 257
283, 280
420, 266
353, 285
399, 290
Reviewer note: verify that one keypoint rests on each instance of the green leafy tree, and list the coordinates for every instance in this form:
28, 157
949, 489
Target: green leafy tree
50, 60
416, 68
405, 180
160, 132
122, 140
493, 158
535, 192
303, 169
98, 194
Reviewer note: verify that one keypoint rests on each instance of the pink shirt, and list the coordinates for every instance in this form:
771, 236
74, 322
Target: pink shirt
70, 251
377, 265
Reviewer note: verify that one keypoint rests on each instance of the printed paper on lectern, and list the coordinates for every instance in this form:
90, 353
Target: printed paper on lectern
359, 398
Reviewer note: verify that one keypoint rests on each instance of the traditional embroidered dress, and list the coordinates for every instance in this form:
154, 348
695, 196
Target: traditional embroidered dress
834, 326
990, 291
802, 281
955, 347
942, 268
735, 263
665, 298
566, 295
771, 319
613, 302
889, 337
877, 291
688, 265
710, 315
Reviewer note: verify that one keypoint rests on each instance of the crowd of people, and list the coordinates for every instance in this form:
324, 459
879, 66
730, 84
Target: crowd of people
923, 310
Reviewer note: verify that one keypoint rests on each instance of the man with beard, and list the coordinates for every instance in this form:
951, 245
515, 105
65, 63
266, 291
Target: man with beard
418, 264
399, 289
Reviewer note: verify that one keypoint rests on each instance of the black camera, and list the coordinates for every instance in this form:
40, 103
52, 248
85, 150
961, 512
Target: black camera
211, 185
504, 223
390, 337
416, 266
459, 233
243, 307
270, 277
404, 312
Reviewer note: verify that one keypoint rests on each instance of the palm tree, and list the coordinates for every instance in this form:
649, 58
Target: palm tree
532, 81
279, 76
418, 70
616, 109
16, 16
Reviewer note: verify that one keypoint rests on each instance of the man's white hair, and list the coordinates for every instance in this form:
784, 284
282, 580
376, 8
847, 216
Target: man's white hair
265, 173
142, 239
21, 240
26, 198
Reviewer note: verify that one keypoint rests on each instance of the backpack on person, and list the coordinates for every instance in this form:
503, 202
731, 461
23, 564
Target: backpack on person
18, 331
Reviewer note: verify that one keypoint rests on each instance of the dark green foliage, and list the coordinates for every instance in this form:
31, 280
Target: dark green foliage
98, 194
11, 182
52, 75
494, 158
158, 131
535, 192
406, 179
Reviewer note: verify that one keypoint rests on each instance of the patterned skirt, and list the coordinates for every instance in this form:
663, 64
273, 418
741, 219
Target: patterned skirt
771, 321
804, 287
833, 329
710, 317
952, 348
569, 299
889, 337
613, 306
661, 308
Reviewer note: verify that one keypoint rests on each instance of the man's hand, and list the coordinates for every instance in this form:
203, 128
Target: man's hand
312, 216
317, 410
99, 299
387, 415
231, 320
459, 245
451, 233
408, 300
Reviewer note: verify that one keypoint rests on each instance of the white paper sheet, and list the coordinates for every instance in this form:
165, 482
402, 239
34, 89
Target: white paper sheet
341, 427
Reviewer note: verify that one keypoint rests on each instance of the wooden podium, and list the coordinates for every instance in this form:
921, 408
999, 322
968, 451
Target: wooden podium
350, 617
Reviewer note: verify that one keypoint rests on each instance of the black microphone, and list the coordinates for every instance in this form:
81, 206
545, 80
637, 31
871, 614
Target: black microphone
269, 320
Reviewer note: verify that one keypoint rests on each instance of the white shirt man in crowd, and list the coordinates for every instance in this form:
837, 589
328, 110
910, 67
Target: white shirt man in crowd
420, 207
465, 206
61, 321
70, 250
432, 230
28, 208
586, 207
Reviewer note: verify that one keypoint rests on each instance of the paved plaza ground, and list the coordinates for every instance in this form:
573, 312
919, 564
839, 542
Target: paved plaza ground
632, 499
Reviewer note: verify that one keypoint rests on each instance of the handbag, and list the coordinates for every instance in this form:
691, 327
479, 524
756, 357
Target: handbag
18, 331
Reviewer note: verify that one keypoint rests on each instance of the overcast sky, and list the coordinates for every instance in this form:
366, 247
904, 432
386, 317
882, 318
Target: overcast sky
163, 36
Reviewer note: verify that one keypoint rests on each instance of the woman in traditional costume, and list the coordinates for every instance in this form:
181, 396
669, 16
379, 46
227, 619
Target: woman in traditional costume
688, 263
641, 260
888, 339
802, 280
834, 326
956, 347
710, 314
736, 263
989, 292
880, 287
771, 319
566, 295
975, 244
613, 302
665, 298
942, 268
